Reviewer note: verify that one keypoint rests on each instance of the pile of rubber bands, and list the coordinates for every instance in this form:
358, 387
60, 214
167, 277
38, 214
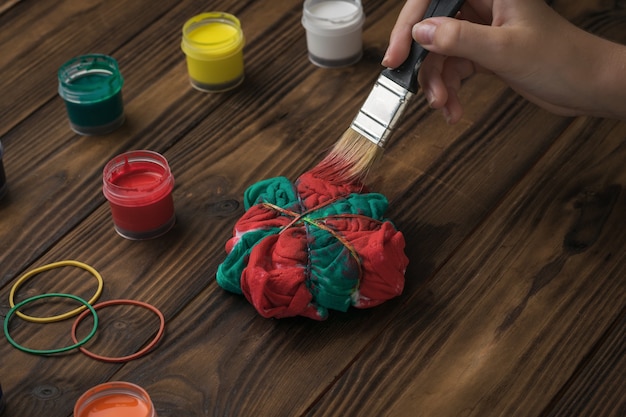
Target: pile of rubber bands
302, 249
82, 312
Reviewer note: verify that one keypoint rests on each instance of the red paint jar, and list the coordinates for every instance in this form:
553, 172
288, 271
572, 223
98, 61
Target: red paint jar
138, 186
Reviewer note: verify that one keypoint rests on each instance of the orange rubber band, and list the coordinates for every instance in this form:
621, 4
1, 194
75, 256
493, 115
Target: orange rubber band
136, 355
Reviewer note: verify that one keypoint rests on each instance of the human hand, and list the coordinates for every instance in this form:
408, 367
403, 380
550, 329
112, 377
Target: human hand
538, 53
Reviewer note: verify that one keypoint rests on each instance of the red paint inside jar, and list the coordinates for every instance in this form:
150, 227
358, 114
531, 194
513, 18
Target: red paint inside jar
139, 187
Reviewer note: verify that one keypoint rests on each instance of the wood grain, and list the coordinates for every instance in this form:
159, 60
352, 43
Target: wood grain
515, 298
544, 265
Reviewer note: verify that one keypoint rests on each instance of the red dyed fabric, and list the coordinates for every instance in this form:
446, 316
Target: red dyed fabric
340, 252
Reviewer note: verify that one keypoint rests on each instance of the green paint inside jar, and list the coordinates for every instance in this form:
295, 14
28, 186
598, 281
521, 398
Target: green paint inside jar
91, 86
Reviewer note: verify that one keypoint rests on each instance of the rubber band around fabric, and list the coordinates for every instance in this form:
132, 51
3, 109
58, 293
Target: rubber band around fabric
47, 267
76, 344
136, 355
303, 217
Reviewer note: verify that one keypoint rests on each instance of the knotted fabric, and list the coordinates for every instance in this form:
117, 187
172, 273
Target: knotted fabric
302, 249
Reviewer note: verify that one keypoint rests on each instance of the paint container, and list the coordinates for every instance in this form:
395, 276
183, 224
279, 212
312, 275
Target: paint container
138, 186
3, 177
91, 86
334, 30
115, 399
213, 45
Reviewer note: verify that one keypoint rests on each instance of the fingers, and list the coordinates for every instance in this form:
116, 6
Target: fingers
455, 70
431, 81
474, 46
440, 80
479, 11
482, 44
399, 46
400, 38
412, 12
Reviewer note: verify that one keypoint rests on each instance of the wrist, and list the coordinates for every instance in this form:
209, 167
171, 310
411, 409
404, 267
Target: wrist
611, 80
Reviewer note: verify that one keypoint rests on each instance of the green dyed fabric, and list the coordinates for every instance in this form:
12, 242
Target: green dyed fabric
272, 260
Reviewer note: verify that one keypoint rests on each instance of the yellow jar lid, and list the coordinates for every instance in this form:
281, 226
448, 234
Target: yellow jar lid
212, 35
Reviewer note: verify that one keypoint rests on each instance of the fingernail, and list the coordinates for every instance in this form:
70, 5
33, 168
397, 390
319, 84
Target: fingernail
384, 61
429, 97
424, 32
446, 115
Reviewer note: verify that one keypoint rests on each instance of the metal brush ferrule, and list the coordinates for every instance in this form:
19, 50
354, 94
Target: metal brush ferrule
382, 109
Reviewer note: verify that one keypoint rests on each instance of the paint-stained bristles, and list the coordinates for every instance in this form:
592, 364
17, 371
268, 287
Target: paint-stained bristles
350, 159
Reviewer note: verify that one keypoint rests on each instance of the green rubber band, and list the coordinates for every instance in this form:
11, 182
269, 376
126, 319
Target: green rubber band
49, 351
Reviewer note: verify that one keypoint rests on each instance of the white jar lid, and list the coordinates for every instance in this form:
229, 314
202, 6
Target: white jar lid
332, 16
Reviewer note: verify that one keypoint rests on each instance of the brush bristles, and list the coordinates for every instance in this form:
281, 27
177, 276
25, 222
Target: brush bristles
350, 159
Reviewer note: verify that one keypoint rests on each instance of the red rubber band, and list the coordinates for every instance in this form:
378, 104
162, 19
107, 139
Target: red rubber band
136, 355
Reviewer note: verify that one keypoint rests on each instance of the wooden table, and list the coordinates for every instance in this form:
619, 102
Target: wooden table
515, 296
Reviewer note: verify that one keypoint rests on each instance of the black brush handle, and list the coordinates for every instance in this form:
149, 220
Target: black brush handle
406, 74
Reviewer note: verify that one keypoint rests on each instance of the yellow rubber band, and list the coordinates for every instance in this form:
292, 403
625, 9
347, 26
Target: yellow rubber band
47, 267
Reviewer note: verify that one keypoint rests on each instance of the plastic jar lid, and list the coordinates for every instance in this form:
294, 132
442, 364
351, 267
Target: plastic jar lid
212, 35
115, 399
137, 178
335, 17
89, 78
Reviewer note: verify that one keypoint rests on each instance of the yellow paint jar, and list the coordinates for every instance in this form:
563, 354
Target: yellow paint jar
213, 44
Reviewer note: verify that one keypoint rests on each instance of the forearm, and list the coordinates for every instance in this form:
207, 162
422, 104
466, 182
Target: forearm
610, 80
588, 73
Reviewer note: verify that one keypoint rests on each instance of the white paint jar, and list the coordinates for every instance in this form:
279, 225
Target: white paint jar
334, 30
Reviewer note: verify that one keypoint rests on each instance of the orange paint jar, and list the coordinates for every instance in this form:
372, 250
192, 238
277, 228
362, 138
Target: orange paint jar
115, 399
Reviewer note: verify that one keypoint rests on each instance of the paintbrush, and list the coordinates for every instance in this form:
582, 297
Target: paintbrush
352, 157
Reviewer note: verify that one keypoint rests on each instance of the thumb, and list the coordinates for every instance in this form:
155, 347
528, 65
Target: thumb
481, 44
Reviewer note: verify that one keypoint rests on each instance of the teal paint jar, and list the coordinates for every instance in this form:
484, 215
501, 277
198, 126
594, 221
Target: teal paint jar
91, 86
3, 177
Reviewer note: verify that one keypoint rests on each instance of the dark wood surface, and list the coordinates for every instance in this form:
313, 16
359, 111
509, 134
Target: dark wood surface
514, 219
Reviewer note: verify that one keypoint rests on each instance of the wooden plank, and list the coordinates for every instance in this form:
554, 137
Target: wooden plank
504, 324
244, 348
516, 347
38, 37
7, 4
597, 387
64, 176
218, 356
204, 188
